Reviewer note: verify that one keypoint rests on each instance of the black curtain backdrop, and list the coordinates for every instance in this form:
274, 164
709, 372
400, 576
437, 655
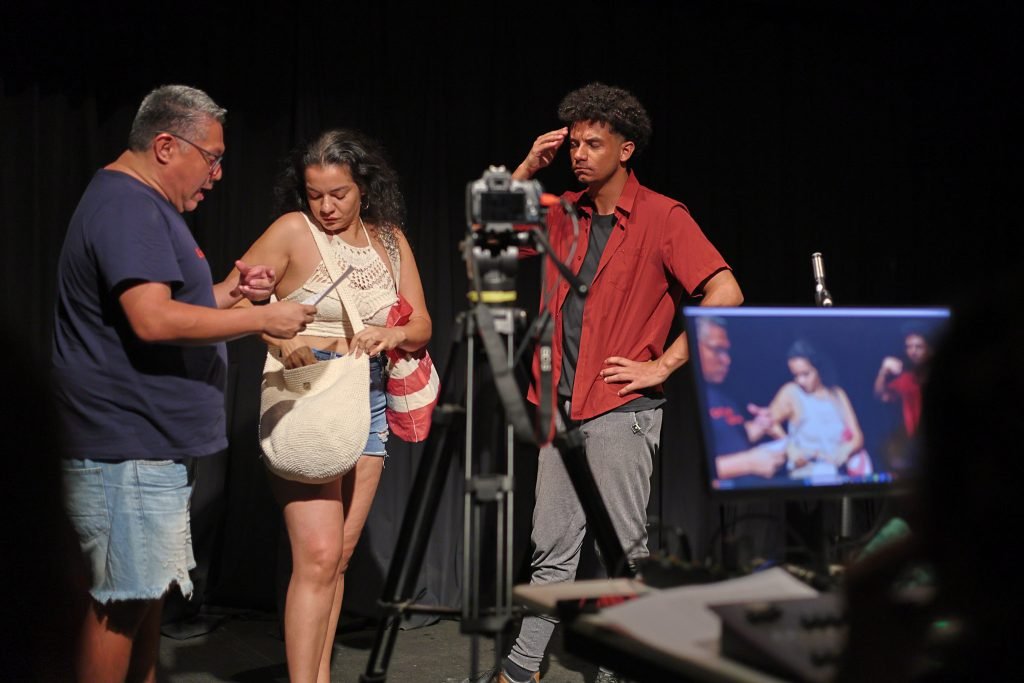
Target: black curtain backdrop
885, 135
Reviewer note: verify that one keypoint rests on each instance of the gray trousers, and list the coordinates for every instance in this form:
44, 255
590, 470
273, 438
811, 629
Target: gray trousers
620, 449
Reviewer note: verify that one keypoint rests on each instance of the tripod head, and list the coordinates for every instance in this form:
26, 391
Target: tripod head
502, 215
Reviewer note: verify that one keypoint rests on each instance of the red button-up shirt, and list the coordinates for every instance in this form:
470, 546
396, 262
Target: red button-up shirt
655, 253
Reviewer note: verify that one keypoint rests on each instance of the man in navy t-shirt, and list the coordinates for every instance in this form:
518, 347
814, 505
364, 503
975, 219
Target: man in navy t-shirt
733, 429
139, 367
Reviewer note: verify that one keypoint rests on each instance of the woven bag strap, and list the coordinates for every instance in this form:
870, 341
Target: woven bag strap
327, 256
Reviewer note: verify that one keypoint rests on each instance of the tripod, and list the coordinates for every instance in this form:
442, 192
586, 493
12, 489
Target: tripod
482, 489
494, 204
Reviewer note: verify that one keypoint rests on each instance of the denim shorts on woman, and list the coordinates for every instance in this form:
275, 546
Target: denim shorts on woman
378, 436
132, 520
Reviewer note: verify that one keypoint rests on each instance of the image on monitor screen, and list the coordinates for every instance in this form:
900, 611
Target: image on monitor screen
810, 401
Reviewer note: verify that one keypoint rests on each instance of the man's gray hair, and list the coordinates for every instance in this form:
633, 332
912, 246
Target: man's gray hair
174, 109
705, 322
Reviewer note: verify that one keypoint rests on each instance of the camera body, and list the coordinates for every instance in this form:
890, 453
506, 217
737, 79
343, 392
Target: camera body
495, 205
496, 202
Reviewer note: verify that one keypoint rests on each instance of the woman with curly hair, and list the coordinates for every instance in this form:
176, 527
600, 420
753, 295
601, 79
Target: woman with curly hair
824, 433
342, 187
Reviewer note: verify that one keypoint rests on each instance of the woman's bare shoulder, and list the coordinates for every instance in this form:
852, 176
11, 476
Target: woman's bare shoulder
788, 389
841, 394
293, 221
285, 231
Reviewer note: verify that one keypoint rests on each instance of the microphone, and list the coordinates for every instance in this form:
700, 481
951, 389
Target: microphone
821, 294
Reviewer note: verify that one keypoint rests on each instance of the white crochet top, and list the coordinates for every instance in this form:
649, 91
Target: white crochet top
369, 287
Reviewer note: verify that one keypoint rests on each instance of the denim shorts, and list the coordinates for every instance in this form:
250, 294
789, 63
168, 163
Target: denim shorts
132, 519
378, 436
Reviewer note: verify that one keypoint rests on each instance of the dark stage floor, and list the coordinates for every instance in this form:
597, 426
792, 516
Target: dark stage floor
248, 649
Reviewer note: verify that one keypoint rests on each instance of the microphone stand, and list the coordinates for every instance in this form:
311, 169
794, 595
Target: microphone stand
823, 298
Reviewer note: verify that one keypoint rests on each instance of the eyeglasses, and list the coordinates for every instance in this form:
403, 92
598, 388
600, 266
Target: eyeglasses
214, 160
716, 350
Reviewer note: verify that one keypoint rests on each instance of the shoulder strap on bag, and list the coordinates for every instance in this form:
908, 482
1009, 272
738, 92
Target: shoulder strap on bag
327, 256
390, 242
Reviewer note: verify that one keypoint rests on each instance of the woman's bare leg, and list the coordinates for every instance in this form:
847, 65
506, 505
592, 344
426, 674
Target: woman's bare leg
358, 488
315, 517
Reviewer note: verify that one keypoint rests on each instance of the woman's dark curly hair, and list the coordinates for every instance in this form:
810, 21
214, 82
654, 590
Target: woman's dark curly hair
802, 348
383, 205
616, 107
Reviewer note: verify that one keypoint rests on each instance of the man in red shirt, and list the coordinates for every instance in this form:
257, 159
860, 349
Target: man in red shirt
896, 382
639, 252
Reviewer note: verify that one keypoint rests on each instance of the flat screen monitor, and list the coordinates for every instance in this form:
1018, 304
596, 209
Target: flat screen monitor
809, 401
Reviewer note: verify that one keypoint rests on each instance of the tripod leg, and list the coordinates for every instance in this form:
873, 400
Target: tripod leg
424, 498
409, 550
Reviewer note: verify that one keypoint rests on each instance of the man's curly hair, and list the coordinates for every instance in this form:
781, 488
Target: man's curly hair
616, 107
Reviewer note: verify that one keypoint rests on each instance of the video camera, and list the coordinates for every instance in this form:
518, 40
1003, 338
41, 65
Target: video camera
496, 202
495, 205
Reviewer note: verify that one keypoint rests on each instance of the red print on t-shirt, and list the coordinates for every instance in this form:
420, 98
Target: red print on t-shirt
727, 414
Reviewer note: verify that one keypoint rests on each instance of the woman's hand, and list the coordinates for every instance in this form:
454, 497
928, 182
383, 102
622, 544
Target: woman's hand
294, 354
797, 457
840, 455
300, 356
372, 340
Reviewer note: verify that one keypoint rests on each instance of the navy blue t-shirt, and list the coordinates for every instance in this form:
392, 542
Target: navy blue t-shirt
120, 398
727, 420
